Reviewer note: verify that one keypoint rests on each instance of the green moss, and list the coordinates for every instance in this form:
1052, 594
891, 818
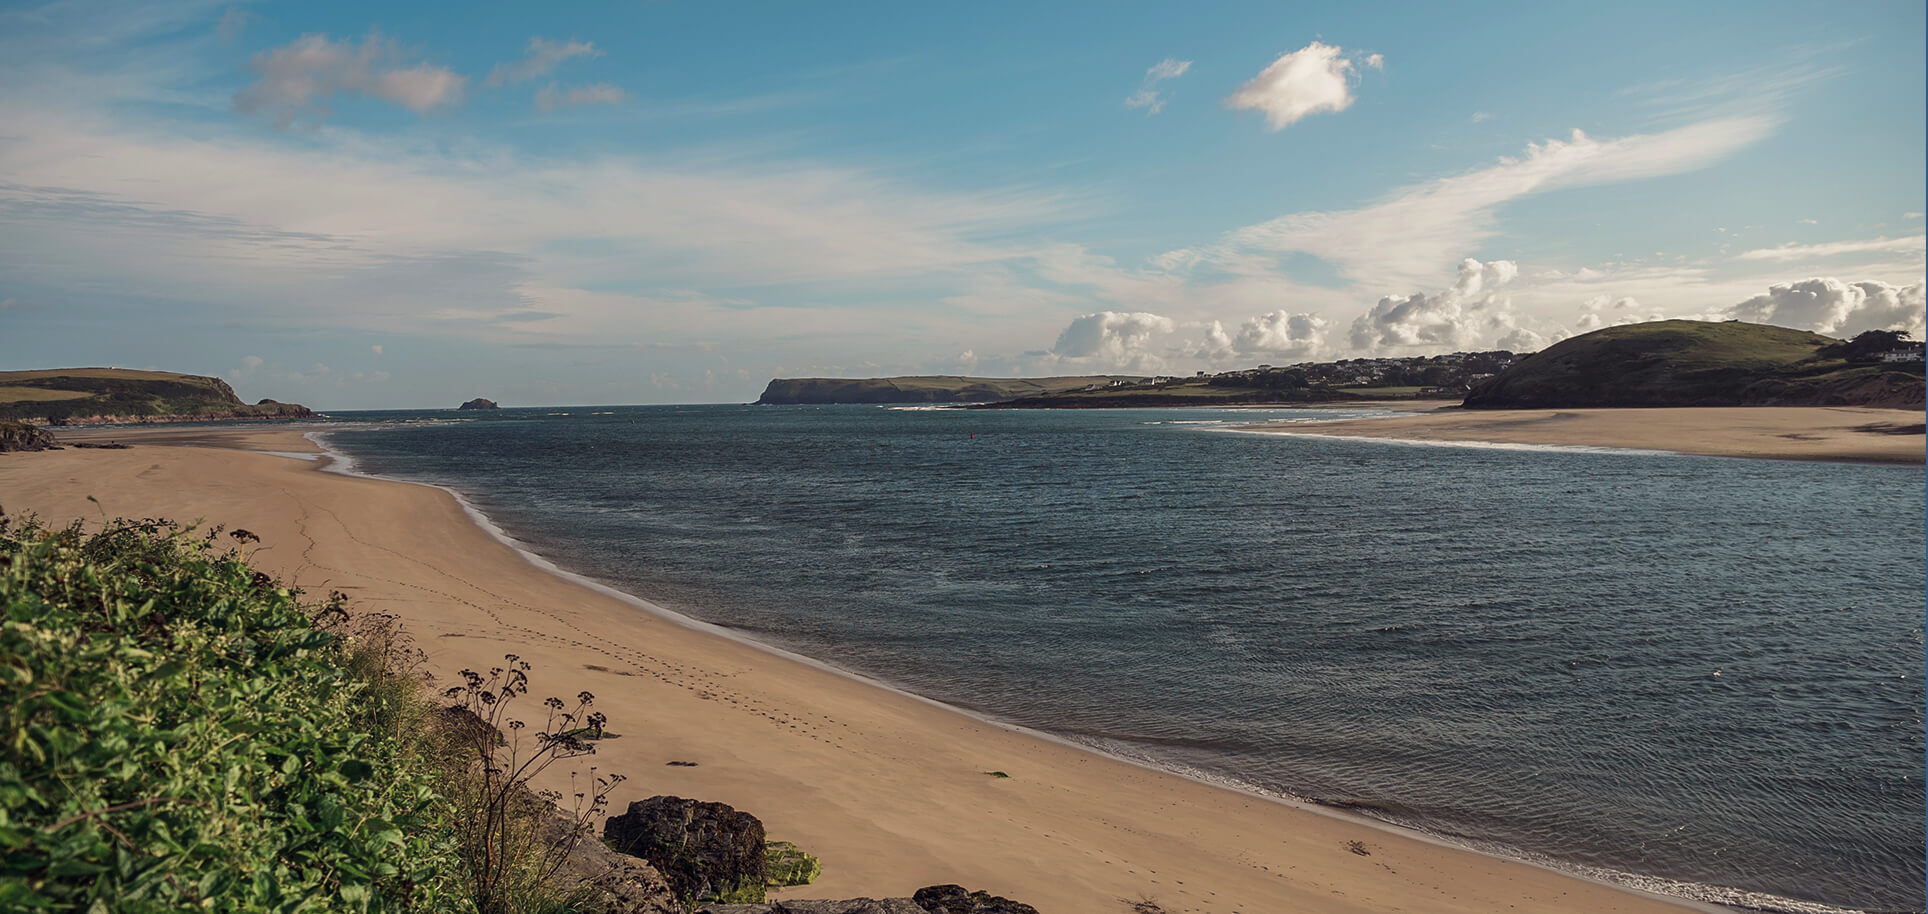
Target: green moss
790, 866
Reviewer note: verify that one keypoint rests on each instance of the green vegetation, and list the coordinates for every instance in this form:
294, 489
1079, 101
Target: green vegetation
919, 389
790, 866
1375, 393
182, 733
79, 394
1700, 363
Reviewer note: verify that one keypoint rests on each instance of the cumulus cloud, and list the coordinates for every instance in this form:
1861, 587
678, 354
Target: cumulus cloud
300, 78
1148, 97
1914, 244
1608, 311
1828, 305
1280, 333
1120, 339
1315, 78
544, 56
552, 98
377, 349
1467, 312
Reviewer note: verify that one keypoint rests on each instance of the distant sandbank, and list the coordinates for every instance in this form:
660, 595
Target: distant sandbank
893, 792
1778, 432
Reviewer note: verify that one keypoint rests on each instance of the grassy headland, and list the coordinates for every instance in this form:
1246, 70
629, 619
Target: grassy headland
81, 396
1702, 363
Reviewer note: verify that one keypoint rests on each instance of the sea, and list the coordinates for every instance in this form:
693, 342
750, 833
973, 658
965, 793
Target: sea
1698, 676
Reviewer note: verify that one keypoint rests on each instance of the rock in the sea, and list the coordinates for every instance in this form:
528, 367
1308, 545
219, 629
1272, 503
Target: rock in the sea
19, 436
479, 403
705, 850
955, 899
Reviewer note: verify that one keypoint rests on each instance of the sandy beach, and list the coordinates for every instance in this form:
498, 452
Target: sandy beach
891, 791
1779, 432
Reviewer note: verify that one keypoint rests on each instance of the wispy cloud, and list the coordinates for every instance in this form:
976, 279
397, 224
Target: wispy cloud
543, 57
1315, 78
1404, 240
552, 97
1148, 95
1913, 244
300, 78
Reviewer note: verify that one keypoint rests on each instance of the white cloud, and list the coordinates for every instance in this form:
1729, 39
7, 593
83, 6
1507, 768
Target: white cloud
1376, 61
1148, 97
1911, 216
1401, 241
1479, 116
300, 78
377, 349
1836, 308
1471, 310
543, 57
1282, 334
551, 98
1608, 311
1914, 244
1307, 81
1114, 339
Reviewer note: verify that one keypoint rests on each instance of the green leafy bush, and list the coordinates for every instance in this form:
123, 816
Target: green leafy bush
180, 733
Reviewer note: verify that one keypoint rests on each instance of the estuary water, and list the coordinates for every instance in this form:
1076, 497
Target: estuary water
1701, 676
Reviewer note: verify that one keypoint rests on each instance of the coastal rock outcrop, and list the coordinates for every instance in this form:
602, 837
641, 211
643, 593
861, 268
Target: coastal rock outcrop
480, 403
704, 850
955, 899
627, 885
19, 436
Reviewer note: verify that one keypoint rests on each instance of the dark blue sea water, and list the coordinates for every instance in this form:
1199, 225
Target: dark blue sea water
1703, 675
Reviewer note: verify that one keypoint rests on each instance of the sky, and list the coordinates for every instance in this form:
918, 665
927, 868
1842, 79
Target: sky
369, 205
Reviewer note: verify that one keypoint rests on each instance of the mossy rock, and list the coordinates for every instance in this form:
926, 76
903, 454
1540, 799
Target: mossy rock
790, 866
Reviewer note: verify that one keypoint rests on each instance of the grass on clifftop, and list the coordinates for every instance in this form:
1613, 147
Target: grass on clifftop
181, 733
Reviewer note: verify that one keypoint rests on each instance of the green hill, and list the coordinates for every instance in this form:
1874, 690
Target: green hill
1701, 363
81, 396
919, 389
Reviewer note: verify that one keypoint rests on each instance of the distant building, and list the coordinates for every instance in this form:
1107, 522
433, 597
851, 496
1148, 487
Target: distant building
1902, 355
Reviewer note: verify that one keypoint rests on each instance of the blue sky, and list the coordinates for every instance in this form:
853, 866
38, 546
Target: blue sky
357, 206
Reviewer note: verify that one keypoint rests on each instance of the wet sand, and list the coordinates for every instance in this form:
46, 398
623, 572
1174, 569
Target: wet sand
1779, 432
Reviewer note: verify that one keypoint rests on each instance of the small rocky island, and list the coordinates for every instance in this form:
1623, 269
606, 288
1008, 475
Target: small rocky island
480, 403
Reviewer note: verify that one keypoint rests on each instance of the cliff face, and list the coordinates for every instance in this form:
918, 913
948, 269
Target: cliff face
1699, 363
100, 396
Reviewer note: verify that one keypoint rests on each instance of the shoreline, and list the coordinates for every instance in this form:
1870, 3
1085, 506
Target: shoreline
1564, 889
1826, 433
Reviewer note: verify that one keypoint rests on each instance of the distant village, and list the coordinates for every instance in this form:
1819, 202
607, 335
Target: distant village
1444, 375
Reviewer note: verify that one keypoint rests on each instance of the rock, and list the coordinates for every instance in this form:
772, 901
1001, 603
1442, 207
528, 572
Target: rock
627, 885
955, 899
19, 436
479, 403
705, 850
